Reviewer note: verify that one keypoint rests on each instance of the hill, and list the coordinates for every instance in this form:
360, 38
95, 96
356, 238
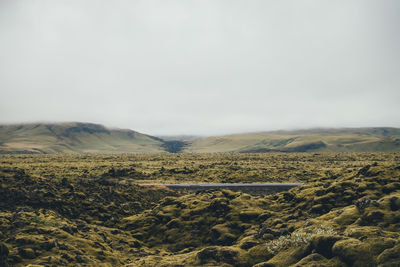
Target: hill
314, 140
74, 137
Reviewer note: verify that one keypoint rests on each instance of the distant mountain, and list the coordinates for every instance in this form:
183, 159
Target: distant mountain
74, 137
313, 140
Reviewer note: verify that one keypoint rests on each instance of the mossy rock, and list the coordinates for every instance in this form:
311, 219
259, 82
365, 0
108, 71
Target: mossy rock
230, 194
353, 252
169, 201
348, 216
372, 217
265, 215
320, 208
379, 244
322, 244
48, 244
389, 188
363, 232
27, 253
329, 198
290, 256
255, 255
26, 239
220, 234
174, 223
218, 255
389, 257
395, 203
247, 216
264, 264
3, 254
219, 206
3, 250
248, 242
317, 260
369, 171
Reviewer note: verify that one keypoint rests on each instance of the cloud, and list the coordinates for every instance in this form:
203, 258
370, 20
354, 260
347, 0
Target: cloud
201, 67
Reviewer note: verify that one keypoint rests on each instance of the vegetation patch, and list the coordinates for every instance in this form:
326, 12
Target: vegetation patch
71, 210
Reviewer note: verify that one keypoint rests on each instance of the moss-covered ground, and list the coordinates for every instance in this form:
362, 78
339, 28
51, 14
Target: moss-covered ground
347, 213
200, 168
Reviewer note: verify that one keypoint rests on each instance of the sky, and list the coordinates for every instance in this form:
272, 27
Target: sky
201, 67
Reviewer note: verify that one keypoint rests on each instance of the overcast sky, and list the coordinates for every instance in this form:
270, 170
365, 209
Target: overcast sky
202, 67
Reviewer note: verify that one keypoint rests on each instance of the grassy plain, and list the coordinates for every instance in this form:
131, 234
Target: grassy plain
69, 210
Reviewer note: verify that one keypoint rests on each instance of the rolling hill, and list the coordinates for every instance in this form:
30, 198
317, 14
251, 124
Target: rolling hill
322, 140
74, 137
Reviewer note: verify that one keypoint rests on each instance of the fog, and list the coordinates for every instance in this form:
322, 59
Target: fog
204, 67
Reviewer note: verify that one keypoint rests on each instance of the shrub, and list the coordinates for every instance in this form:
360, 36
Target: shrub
296, 238
362, 204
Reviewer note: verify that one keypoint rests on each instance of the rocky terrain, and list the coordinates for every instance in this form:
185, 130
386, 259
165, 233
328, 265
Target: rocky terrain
346, 219
352, 220
56, 222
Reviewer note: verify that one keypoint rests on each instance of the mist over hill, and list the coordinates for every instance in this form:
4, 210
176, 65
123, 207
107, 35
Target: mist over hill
78, 137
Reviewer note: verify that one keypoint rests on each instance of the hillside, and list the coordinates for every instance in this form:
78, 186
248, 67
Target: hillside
78, 137
74, 137
323, 140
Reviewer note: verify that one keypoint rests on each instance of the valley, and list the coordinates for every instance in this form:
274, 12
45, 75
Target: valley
90, 138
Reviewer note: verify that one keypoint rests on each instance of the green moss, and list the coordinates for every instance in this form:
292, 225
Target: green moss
322, 244
353, 252
218, 255
316, 259
220, 234
83, 220
254, 255
347, 216
390, 256
290, 256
